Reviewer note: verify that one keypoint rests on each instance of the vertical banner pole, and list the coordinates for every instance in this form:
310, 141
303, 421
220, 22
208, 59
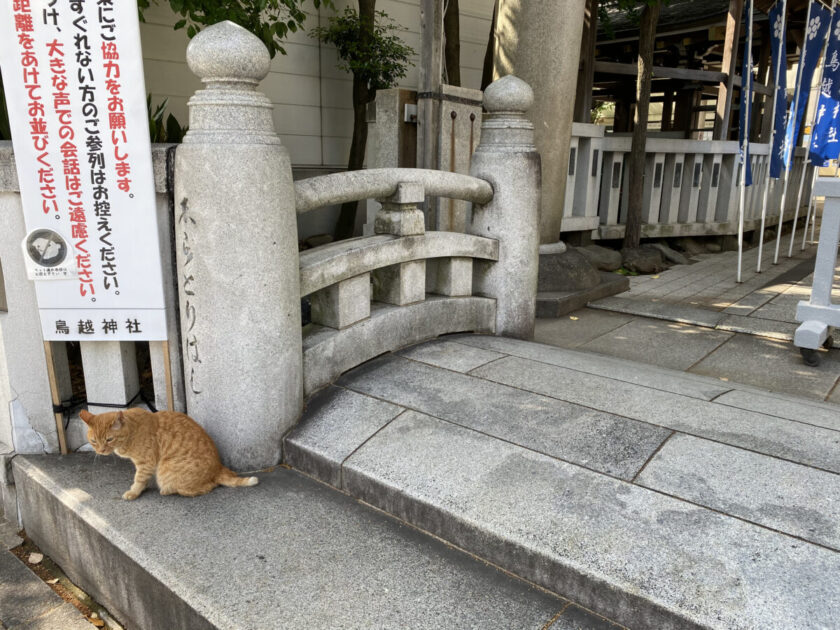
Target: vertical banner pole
746, 84
772, 137
56, 399
794, 111
808, 145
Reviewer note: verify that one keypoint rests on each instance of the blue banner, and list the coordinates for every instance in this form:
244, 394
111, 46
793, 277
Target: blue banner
778, 54
746, 96
825, 144
815, 32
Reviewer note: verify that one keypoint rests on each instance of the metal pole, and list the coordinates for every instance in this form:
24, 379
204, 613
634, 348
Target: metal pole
745, 82
808, 145
793, 113
772, 136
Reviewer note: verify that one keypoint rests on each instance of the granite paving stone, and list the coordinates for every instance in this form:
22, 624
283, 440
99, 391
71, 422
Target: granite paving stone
569, 331
788, 497
64, 617
641, 558
783, 406
745, 359
334, 424
450, 355
300, 555
652, 376
601, 441
798, 442
9, 538
23, 596
667, 344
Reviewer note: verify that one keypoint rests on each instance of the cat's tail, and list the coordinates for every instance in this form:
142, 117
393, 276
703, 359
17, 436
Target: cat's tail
229, 478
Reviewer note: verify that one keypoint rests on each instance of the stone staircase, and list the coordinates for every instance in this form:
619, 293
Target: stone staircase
655, 498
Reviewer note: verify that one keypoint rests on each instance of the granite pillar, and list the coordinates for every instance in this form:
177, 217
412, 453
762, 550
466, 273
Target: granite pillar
539, 41
508, 159
236, 247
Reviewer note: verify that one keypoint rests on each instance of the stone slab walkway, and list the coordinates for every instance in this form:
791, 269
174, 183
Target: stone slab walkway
766, 363
289, 553
659, 499
26, 603
706, 294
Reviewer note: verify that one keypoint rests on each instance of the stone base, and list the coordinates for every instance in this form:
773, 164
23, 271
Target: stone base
558, 303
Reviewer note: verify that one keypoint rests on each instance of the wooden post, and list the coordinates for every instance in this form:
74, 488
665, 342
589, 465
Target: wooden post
730, 54
167, 371
430, 73
56, 398
586, 77
761, 101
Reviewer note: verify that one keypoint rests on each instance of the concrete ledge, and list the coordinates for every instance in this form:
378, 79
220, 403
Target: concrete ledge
288, 553
557, 303
328, 353
329, 264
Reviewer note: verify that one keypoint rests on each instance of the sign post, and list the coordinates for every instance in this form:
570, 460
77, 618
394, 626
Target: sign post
73, 77
76, 98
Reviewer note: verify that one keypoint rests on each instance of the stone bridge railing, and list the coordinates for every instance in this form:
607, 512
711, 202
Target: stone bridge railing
369, 294
247, 362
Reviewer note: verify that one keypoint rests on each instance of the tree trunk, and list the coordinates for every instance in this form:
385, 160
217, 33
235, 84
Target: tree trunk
452, 51
487, 68
362, 95
647, 34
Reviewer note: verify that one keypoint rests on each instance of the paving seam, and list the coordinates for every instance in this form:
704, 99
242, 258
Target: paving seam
440, 510
528, 448
555, 617
369, 438
704, 378
738, 518
661, 426
571, 369
722, 343
652, 455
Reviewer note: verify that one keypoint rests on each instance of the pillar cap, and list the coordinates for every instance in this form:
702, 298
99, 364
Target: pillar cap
228, 52
508, 94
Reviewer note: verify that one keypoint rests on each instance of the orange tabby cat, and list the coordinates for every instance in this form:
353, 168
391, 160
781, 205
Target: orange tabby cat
167, 445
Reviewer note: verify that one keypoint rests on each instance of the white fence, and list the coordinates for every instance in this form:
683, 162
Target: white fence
691, 186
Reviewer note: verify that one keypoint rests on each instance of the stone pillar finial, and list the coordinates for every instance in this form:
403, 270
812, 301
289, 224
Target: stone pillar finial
509, 94
236, 244
508, 159
230, 61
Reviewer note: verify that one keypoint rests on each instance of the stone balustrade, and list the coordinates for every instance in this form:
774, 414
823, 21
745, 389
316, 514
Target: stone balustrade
245, 362
691, 186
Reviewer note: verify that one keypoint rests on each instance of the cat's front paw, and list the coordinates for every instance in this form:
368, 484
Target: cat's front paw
130, 495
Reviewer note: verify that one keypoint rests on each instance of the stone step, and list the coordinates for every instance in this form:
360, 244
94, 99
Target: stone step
288, 553
557, 303
657, 499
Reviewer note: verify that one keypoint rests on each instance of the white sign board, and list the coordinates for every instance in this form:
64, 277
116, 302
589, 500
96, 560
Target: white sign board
73, 77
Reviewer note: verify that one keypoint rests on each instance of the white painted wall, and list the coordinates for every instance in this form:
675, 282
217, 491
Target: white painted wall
311, 96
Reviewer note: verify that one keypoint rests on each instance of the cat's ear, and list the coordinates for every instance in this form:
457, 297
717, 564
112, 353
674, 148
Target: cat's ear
118, 422
85, 415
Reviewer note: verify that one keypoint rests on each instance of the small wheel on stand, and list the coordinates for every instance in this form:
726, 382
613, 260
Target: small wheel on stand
828, 344
810, 356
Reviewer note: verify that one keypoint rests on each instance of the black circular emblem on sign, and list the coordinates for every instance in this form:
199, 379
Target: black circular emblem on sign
46, 247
